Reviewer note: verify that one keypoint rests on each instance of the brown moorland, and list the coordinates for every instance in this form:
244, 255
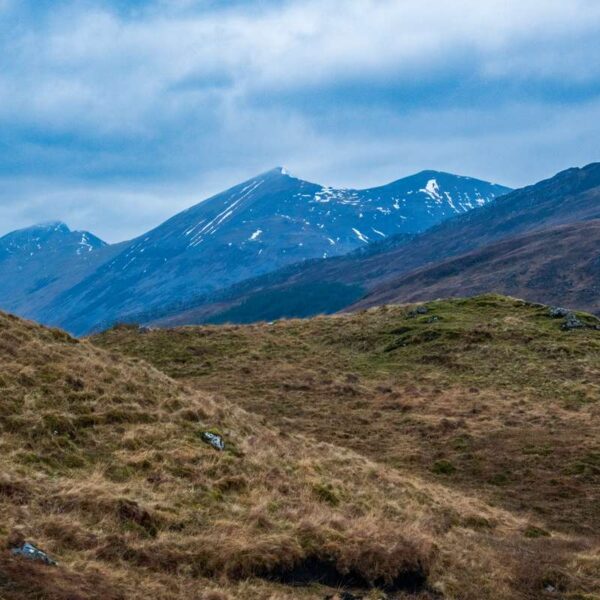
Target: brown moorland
487, 395
102, 465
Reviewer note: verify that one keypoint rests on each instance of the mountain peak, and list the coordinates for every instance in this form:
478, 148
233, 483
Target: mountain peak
280, 172
49, 236
45, 229
49, 226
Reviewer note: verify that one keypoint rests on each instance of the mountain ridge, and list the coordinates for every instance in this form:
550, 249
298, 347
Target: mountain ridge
40, 261
570, 196
47, 231
253, 228
558, 265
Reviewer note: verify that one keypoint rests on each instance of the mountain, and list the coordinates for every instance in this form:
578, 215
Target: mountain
47, 238
572, 196
256, 227
559, 265
40, 262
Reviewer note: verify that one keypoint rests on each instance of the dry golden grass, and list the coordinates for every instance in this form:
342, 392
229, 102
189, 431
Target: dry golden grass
488, 394
102, 466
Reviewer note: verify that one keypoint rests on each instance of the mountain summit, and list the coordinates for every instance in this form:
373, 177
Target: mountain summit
256, 227
282, 214
39, 262
46, 238
538, 243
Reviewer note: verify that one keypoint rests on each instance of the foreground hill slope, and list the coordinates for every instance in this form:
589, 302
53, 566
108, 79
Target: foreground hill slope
489, 395
570, 197
267, 222
103, 466
560, 265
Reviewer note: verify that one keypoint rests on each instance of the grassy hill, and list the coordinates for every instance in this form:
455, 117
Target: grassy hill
102, 462
488, 396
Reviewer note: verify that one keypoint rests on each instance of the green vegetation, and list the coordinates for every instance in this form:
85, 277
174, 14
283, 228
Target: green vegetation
535, 532
293, 301
443, 467
326, 493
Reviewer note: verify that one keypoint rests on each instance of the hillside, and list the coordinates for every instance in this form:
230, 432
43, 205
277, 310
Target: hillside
103, 467
570, 197
559, 265
263, 224
488, 395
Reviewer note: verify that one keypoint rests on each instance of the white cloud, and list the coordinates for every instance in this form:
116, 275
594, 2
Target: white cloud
184, 95
104, 70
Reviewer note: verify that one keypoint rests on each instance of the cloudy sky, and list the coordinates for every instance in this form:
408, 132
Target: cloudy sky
115, 114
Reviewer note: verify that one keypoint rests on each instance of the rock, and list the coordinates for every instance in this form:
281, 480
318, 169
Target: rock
215, 440
422, 310
433, 319
557, 312
31, 552
572, 322
145, 329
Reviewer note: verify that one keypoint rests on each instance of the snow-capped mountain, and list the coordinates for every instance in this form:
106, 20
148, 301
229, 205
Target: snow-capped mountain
39, 262
539, 242
270, 221
278, 214
48, 237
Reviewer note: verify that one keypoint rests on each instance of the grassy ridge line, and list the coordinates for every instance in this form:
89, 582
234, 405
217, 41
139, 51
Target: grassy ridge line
102, 466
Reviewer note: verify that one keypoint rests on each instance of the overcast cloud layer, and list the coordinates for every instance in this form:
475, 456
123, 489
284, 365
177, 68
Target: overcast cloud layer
114, 115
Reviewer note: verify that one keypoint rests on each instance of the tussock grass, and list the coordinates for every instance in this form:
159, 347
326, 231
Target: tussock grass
103, 466
486, 396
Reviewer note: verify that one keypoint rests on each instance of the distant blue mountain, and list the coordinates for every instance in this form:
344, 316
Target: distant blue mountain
539, 243
254, 228
40, 262
48, 237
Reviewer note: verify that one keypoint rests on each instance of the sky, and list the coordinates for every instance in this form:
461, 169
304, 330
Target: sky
116, 114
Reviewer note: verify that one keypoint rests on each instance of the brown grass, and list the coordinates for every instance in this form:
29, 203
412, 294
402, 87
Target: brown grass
103, 467
487, 395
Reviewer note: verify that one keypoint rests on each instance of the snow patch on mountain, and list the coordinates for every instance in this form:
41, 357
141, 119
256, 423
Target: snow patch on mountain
360, 236
432, 189
84, 244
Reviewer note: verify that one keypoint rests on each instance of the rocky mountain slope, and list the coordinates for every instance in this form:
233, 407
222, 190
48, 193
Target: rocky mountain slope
105, 465
256, 227
570, 197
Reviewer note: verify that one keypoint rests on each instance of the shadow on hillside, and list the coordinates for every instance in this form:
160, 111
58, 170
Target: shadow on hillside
314, 570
